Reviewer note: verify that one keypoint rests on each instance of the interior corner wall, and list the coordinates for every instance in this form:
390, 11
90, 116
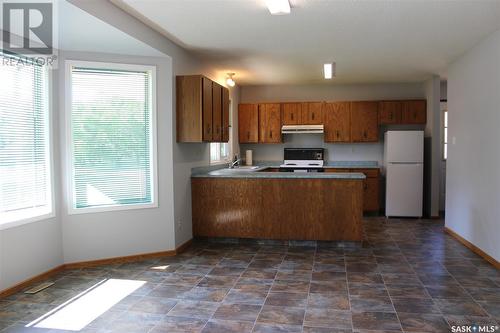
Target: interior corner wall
473, 180
92, 236
433, 146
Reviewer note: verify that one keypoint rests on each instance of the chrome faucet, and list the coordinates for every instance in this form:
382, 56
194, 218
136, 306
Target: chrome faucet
235, 162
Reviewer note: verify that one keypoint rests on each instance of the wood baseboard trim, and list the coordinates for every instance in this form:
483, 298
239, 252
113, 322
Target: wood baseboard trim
23, 284
473, 247
92, 263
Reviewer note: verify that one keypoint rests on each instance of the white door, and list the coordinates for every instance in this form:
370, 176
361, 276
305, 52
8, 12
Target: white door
404, 193
405, 146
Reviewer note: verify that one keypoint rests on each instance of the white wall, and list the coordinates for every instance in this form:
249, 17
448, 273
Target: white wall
473, 179
335, 152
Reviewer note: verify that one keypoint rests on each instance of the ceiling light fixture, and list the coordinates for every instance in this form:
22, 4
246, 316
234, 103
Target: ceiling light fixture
278, 7
229, 80
329, 70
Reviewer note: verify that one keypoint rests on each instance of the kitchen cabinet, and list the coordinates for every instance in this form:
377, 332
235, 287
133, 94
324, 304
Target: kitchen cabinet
389, 112
270, 123
225, 115
274, 208
291, 113
312, 113
364, 122
371, 187
248, 123
199, 110
414, 112
337, 121
216, 112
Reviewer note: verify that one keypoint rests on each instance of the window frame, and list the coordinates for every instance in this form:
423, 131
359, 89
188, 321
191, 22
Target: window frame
71, 201
39, 214
220, 161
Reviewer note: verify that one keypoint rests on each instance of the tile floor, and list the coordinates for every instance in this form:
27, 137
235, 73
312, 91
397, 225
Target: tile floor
407, 276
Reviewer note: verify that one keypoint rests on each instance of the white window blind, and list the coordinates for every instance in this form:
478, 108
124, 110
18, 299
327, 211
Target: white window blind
112, 137
25, 185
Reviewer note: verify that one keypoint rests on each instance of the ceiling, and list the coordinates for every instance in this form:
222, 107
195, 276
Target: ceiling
96, 36
370, 41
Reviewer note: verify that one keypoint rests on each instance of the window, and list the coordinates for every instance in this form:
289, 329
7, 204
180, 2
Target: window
112, 135
25, 168
219, 152
444, 109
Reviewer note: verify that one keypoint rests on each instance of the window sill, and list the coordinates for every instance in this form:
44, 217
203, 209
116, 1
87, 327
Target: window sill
111, 208
219, 162
31, 218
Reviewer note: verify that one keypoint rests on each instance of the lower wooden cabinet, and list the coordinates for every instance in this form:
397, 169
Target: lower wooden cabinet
371, 187
301, 209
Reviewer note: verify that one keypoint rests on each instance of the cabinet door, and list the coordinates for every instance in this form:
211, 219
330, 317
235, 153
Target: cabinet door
364, 122
216, 112
290, 113
370, 195
337, 117
225, 115
207, 109
389, 112
414, 112
270, 123
248, 123
312, 113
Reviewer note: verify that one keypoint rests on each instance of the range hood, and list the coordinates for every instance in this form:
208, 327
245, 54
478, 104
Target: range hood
302, 129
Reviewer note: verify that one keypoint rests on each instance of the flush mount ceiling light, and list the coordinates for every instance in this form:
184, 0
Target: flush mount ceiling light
278, 7
329, 70
229, 80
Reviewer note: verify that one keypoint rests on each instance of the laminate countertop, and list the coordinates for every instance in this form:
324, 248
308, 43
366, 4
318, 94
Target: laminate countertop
221, 171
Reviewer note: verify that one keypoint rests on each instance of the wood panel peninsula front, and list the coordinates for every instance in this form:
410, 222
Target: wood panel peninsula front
274, 205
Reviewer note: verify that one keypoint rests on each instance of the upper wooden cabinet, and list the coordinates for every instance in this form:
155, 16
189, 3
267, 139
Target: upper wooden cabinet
312, 113
291, 113
225, 115
364, 122
200, 109
270, 123
414, 112
389, 112
337, 120
216, 112
248, 123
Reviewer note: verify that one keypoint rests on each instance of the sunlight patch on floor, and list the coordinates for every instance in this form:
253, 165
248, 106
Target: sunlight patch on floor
81, 310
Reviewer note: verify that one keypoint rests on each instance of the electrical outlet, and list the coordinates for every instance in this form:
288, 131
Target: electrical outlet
179, 225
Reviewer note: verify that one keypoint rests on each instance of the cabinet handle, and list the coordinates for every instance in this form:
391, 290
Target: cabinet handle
414, 115
365, 135
390, 116
209, 129
312, 116
291, 116
337, 133
365, 186
248, 136
271, 134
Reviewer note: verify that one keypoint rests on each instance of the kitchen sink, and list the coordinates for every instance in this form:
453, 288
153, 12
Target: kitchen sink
243, 168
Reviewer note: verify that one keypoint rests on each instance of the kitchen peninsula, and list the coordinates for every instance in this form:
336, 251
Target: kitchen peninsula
265, 204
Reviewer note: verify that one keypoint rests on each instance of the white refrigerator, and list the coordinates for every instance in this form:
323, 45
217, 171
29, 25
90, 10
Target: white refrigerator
404, 165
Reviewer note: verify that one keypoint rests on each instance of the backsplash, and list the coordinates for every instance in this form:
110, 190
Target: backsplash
333, 152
